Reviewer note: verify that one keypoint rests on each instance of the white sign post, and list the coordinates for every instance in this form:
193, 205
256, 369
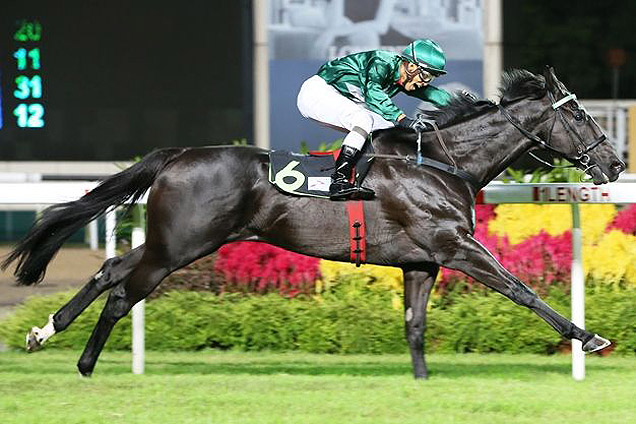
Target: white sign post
577, 293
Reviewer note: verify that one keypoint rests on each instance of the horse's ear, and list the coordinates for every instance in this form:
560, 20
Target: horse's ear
550, 77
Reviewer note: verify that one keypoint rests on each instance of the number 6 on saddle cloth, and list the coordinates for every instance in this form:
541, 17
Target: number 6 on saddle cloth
310, 174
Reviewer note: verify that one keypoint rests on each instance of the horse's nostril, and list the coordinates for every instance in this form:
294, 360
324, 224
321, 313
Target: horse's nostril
618, 167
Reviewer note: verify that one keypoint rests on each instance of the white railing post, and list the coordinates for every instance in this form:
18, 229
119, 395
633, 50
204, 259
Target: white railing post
93, 236
111, 238
138, 313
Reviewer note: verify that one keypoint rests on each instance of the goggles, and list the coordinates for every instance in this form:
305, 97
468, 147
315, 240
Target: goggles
425, 76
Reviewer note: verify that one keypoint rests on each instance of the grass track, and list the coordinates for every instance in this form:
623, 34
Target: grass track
228, 387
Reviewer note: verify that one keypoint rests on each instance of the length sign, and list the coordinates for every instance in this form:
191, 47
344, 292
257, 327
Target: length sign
557, 193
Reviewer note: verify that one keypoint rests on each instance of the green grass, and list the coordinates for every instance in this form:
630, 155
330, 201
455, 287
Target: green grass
228, 387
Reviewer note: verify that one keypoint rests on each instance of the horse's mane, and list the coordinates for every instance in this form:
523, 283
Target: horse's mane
516, 85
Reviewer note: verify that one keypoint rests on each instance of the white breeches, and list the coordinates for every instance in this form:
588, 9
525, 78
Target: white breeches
322, 102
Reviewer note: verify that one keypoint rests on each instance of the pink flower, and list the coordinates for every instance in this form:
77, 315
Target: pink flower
539, 261
625, 220
262, 268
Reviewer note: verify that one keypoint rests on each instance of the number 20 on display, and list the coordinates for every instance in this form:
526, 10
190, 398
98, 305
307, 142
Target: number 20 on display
28, 83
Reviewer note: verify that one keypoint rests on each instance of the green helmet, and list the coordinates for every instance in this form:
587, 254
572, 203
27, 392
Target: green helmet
427, 54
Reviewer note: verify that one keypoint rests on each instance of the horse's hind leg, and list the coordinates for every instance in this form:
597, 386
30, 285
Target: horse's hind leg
475, 260
149, 272
192, 210
112, 272
142, 282
417, 289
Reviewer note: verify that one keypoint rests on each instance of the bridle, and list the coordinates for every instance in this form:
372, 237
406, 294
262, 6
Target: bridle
582, 149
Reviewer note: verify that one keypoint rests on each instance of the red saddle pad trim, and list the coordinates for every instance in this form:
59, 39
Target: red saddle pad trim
335, 153
357, 231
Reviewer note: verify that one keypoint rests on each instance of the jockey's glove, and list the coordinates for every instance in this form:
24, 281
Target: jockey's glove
469, 95
416, 124
406, 122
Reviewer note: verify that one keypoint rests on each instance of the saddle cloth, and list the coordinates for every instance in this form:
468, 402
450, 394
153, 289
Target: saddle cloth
310, 174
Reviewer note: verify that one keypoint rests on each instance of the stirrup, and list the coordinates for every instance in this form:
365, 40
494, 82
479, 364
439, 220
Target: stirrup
349, 191
363, 193
341, 190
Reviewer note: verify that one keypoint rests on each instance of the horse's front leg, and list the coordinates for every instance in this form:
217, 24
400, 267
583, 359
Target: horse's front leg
470, 257
417, 288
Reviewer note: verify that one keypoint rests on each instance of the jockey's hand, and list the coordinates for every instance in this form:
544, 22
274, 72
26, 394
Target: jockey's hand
406, 122
416, 124
468, 94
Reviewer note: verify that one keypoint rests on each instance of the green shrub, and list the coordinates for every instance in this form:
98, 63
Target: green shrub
612, 313
351, 322
35, 312
490, 323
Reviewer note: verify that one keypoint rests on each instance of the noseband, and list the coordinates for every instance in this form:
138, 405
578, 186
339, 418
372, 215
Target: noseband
582, 148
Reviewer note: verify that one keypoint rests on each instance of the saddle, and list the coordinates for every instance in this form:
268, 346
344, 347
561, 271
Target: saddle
310, 174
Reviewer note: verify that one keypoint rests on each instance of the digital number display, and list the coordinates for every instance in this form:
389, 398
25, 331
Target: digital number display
28, 87
66, 72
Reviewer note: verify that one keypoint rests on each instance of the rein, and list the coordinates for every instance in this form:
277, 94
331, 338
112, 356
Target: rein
420, 160
582, 157
449, 169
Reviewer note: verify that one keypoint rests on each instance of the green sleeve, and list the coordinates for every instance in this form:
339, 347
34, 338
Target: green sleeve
375, 97
432, 94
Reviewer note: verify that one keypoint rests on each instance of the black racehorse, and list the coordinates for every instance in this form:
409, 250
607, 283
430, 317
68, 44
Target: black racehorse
422, 218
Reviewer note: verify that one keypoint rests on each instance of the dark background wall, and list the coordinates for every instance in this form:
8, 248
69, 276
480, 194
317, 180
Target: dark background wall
121, 78
574, 37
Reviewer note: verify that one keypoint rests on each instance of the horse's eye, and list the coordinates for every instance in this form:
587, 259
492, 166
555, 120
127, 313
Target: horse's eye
579, 115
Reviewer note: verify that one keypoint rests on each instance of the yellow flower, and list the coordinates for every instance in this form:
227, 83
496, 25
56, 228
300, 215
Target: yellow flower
521, 221
378, 277
612, 259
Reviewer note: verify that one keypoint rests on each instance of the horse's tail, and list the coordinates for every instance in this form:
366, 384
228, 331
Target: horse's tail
59, 222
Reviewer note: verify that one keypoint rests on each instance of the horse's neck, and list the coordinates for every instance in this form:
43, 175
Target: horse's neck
486, 146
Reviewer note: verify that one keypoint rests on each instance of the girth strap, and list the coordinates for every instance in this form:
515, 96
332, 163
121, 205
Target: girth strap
357, 230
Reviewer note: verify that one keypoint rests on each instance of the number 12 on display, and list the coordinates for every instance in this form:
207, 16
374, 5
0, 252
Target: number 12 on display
29, 116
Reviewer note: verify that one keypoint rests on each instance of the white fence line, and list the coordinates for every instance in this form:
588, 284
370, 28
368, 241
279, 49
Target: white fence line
40, 194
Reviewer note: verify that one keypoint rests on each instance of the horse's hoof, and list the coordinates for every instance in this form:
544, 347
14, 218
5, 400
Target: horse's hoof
84, 375
595, 344
33, 340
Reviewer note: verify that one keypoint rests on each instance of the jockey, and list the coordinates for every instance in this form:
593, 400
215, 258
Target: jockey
353, 94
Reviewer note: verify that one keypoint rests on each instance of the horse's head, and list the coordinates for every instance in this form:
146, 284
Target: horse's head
575, 135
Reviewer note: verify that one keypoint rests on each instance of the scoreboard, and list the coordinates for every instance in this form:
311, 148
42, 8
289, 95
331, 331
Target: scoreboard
27, 89
115, 80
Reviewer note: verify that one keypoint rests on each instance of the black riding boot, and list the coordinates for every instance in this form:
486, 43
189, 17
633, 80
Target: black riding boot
341, 188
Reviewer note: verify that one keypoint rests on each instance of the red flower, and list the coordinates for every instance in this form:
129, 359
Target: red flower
539, 261
625, 220
251, 267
